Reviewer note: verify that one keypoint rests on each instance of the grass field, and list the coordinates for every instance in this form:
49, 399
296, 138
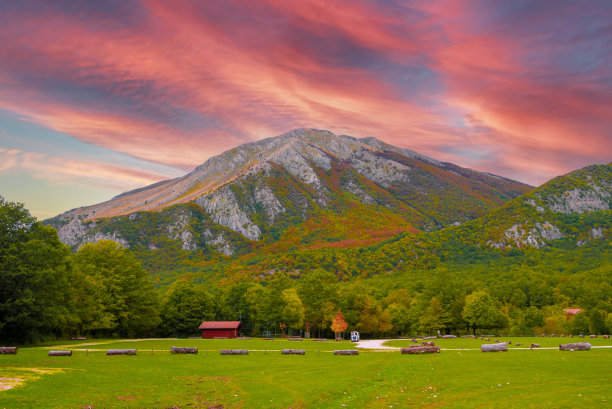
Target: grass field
455, 378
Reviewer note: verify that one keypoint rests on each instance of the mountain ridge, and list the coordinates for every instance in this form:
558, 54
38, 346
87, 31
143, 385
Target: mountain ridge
260, 189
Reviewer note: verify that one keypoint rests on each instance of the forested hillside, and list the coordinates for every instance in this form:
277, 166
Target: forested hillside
478, 276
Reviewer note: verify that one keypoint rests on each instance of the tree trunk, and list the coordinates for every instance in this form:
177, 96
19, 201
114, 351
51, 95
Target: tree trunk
183, 350
60, 353
346, 352
293, 352
234, 352
578, 346
421, 350
121, 352
500, 347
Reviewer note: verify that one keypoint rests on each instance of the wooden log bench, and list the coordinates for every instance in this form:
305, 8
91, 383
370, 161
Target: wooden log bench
430, 337
577, 346
535, 346
593, 336
219, 337
60, 353
293, 352
499, 347
449, 336
605, 336
346, 352
183, 350
234, 352
8, 350
78, 339
121, 352
295, 339
243, 338
414, 349
319, 339
426, 344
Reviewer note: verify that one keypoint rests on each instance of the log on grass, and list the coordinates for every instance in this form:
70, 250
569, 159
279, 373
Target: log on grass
183, 350
449, 336
319, 339
421, 350
577, 346
234, 352
592, 336
60, 353
535, 346
121, 352
295, 339
293, 352
500, 347
8, 350
430, 337
605, 336
346, 352
426, 344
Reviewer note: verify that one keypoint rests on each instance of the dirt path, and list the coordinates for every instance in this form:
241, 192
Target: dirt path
378, 344
374, 344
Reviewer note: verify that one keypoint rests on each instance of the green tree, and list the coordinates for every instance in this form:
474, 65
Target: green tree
185, 307
36, 275
127, 296
609, 323
597, 324
479, 311
316, 289
533, 318
293, 310
579, 324
435, 317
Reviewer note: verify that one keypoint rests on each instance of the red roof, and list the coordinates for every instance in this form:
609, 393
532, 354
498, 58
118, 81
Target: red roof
220, 325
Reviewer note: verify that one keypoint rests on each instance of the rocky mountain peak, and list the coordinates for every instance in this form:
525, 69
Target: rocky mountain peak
269, 185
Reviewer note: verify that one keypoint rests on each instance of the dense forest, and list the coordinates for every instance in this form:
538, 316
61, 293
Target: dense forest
411, 284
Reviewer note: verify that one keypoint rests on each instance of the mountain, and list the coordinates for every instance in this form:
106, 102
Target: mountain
576, 207
302, 189
560, 228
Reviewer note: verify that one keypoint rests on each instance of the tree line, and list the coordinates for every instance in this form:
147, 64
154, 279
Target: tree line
101, 290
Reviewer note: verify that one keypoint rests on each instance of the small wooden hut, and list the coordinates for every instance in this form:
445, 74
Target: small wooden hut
220, 329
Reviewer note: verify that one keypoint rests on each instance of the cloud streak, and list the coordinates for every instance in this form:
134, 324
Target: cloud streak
514, 89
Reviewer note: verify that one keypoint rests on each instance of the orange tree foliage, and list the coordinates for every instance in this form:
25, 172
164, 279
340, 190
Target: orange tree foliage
339, 324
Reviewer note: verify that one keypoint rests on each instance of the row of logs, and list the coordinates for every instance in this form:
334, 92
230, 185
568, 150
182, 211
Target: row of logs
425, 348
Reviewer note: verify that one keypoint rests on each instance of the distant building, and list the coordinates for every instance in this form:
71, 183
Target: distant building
220, 329
570, 312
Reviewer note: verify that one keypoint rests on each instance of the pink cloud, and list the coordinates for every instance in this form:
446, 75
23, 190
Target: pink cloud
187, 80
62, 171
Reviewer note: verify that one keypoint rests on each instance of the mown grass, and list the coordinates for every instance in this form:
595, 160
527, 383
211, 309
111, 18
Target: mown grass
266, 379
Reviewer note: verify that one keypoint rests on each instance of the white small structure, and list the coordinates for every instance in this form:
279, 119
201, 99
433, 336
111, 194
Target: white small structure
354, 336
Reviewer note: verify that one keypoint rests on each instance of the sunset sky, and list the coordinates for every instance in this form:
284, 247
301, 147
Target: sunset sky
99, 97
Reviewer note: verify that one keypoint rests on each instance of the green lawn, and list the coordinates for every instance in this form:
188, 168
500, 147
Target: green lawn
266, 379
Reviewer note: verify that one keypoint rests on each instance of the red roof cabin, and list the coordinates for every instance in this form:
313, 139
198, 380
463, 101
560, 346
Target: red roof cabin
220, 329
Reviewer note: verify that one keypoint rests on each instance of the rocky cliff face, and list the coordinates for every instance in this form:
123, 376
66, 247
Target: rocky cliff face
258, 190
577, 206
